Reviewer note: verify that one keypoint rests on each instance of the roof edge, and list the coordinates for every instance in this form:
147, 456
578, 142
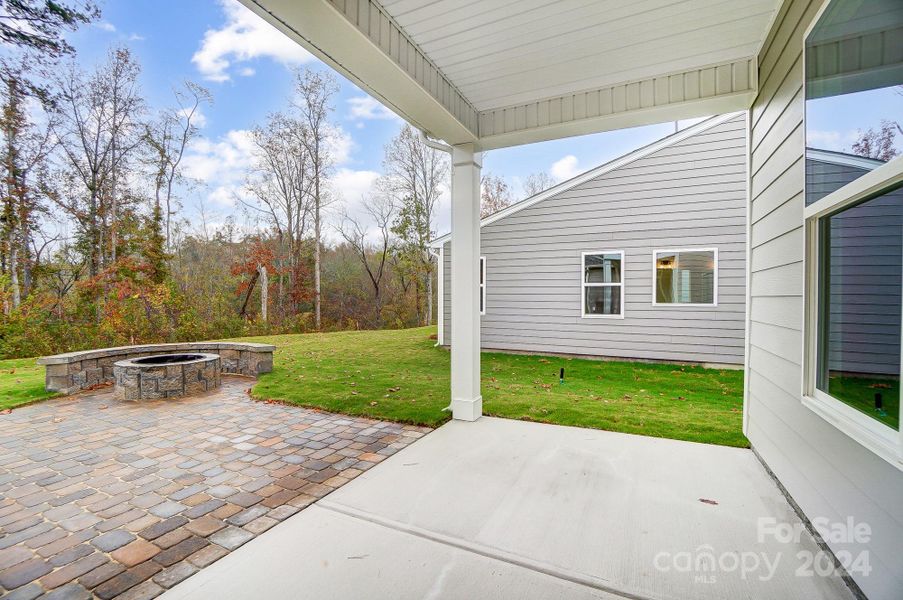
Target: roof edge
843, 158
602, 169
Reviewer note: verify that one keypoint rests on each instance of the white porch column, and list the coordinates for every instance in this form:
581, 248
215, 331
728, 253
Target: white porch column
467, 403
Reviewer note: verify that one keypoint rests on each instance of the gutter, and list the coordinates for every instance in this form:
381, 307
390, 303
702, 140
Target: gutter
434, 144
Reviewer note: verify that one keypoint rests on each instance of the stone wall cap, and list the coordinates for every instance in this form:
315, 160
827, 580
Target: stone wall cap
70, 357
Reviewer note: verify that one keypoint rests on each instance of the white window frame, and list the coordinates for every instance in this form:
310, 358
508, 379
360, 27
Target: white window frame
874, 435
870, 433
655, 254
482, 285
584, 284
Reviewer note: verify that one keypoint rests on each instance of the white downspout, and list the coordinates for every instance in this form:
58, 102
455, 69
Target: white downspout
440, 297
440, 308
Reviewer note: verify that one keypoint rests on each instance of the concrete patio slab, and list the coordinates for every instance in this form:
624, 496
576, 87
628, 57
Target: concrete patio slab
509, 509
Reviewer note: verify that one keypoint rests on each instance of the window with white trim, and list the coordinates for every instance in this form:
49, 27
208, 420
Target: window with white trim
686, 277
482, 285
602, 289
854, 224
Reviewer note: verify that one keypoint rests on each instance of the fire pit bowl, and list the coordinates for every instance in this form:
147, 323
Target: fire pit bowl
164, 376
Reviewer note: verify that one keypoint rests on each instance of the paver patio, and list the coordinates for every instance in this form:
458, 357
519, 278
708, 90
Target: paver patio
124, 500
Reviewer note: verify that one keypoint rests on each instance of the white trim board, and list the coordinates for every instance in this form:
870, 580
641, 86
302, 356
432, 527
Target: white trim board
617, 163
843, 158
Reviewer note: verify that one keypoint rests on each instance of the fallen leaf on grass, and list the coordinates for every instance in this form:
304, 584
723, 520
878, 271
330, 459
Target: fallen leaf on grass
374, 403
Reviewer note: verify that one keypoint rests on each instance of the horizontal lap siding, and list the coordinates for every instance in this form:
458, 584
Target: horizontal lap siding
827, 474
688, 195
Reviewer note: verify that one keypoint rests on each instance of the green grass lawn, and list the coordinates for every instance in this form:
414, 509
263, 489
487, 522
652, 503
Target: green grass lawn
859, 392
400, 375
21, 382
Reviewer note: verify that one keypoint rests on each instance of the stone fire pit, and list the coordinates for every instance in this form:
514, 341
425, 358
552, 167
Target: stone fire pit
166, 376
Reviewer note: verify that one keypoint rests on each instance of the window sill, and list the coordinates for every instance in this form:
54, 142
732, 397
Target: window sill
875, 437
602, 316
682, 305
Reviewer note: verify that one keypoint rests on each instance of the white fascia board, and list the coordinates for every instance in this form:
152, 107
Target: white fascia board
617, 163
368, 48
844, 159
715, 89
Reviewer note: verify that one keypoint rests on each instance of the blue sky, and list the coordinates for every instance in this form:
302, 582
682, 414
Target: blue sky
246, 65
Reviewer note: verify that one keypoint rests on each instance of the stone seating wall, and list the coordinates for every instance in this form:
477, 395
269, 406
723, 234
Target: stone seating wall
75, 371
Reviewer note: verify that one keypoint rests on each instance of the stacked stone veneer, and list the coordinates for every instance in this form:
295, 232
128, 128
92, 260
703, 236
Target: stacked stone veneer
134, 381
74, 371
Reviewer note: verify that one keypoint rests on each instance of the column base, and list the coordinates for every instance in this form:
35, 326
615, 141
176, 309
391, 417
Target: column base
467, 410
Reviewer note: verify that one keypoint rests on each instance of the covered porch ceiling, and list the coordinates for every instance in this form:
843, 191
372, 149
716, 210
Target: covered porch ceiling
505, 72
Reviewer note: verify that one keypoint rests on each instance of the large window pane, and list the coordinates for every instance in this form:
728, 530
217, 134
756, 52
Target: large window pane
602, 300
602, 268
860, 266
685, 277
854, 107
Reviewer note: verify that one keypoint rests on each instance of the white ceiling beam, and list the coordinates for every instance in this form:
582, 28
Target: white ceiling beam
711, 90
361, 41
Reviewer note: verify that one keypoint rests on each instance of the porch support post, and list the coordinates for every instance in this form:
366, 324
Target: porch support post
467, 403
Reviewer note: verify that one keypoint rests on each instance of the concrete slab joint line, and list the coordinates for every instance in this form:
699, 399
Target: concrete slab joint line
487, 551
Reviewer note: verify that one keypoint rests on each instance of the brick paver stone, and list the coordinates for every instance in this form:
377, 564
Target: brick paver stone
24, 572
112, 540
135, 553
124, 500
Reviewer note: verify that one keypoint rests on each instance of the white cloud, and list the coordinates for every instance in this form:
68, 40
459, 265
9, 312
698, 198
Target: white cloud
247, 72
340, 145
244, 37
136, 37
221, 165
565, 168
831, 140
351, 185
365, 107
199, 119
105, 26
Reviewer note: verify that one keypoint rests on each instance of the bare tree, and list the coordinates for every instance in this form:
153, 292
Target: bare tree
373, 256
97, 126
282, 180
537, 182
315, 90
415, 176
878, 144
25, 151
167, 138
494, 194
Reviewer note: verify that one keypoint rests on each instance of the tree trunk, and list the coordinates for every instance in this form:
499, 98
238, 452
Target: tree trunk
264, 291
317, 255
14, 271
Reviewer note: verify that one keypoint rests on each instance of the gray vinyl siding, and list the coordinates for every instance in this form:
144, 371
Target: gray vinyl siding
827, 473
691, 194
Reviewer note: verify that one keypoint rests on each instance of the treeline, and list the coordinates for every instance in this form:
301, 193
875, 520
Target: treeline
96, 246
